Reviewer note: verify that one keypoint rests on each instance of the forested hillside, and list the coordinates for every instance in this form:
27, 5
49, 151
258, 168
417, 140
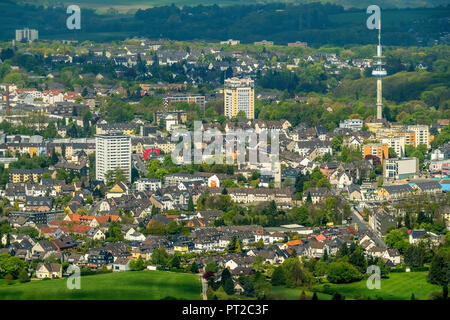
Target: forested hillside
315, 23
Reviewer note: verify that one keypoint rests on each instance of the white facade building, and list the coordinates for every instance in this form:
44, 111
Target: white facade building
27, 34
112, 151
352, 124
396, 143
422, 134
398, 168
146, 184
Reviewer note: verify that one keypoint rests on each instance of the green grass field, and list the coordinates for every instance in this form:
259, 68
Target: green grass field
285, 293
142, 285
399, 286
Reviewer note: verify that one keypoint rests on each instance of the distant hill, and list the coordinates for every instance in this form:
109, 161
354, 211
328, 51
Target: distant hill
125, 5
317, 24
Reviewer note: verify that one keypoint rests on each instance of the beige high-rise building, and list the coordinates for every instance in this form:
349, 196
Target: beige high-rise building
239, 95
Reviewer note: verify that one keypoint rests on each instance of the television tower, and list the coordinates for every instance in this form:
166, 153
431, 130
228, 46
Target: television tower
379, 72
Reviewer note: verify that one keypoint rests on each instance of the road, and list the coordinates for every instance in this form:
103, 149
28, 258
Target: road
204, 288
364, 226
139, 164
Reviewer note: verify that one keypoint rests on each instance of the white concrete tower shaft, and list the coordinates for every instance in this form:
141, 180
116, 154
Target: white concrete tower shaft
379, 72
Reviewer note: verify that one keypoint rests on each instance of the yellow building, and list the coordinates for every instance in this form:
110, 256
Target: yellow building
24, 175
373, 126
181, 248
33, 151
239, 95
381, 150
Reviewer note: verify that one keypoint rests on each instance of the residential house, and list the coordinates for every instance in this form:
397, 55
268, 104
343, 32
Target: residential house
48, 270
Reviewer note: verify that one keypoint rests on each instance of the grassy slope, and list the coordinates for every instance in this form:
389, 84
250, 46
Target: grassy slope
143, 285
399, 286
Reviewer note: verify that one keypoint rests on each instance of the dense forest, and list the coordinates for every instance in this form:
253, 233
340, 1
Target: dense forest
314, 23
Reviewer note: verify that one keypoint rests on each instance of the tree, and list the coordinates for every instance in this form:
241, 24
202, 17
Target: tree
337, 296
225, 275
308, 198
194, 267
228, 286
23, 276
114, 176
159, 256
114, 232
342, 251
278, 277
300, 179
232, 245
156, 228
9, 279
358, 259
249, 289
392, 153
343, 272
137, 265
414, 255
11, 265
258, 264
314, 297
173, 228
336, 143
295, 275
50, 131
211, 267
325, 255
438, 273
397, 239
303, 296
191, 207
175, 261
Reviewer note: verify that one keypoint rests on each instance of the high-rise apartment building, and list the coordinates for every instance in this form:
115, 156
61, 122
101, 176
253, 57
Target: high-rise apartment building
422, 134
396, 143
27, 34
239, 95
112, 151
409, 136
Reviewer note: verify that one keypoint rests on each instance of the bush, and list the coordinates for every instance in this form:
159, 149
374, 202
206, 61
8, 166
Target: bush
278, 277
437, 295
399, 269
9, 279
417, 269
343, 272
23, 276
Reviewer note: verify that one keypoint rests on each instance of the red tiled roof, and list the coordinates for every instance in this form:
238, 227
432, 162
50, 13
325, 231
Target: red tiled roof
294, 242
76, 229
105, 218
320, 237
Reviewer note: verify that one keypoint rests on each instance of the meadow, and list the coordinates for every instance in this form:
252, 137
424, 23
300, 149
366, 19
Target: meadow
399, 286
139, 285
